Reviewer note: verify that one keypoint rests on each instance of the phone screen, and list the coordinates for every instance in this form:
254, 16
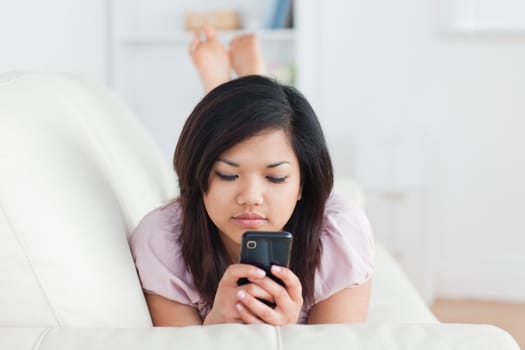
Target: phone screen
264, 249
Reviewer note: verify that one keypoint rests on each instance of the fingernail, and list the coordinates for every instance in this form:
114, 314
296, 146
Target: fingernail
239, 307
261, 272
241, 294
276, 268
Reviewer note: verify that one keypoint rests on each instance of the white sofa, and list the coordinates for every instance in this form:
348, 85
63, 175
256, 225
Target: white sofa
77, 173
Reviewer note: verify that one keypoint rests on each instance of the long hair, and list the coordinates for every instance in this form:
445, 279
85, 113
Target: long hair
226, 116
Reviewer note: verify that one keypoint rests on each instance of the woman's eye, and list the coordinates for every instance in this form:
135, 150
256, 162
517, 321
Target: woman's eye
226, 177
276, 180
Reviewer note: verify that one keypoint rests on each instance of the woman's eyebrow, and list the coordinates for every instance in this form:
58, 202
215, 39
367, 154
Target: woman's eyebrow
274, 165
229, 162
269, 166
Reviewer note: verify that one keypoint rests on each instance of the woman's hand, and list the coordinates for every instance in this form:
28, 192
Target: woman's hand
288, 299
225, 305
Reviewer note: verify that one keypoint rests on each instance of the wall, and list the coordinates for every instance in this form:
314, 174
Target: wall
445, 110
56, 35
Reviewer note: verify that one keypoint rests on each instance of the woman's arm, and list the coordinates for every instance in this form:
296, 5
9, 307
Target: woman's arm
349, 305
165, 312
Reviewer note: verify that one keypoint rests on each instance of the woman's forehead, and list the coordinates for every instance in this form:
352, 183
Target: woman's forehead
269, 145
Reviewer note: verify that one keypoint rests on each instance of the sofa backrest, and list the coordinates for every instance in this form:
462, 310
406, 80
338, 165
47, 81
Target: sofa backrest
77, 173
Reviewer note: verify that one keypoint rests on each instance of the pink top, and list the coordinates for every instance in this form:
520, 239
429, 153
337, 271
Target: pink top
347, 257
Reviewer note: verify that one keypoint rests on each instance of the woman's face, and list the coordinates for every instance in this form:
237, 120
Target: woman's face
253, 186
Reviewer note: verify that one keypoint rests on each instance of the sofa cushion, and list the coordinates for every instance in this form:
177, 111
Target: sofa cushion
77, 172
265, 337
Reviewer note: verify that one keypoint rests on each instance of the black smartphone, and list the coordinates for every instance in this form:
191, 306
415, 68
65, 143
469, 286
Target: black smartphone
264, 249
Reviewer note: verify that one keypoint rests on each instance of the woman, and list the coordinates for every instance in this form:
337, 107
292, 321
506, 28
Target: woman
252, 156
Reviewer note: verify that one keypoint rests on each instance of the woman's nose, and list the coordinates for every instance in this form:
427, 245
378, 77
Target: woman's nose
250, 193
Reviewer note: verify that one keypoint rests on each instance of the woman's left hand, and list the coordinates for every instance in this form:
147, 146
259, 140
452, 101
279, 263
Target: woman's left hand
288, 300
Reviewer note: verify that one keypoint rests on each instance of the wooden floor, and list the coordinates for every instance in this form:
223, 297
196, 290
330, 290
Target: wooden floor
508, 316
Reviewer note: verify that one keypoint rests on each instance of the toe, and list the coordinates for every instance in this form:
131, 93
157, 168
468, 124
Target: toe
210, 33
195, 42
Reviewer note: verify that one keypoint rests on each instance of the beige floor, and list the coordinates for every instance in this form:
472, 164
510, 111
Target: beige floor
508, 316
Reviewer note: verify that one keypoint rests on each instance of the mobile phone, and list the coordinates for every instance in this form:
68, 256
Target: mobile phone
264, 249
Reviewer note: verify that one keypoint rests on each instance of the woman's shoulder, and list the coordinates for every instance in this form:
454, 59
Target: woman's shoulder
346, 226
336, 204
347, 248
342, 217
158, 256
158, 228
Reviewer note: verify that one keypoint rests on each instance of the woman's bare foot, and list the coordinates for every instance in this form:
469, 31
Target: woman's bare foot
245, 55
210, 58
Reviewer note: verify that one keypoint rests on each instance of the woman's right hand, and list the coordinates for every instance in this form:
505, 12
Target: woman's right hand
224, 308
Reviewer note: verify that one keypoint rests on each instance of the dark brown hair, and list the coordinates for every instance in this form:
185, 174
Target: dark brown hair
226, 116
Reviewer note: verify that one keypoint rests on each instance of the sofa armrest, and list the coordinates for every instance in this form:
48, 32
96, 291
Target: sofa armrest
263, 337
394, 298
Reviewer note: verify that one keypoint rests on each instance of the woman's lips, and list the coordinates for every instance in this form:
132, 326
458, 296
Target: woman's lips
249, 220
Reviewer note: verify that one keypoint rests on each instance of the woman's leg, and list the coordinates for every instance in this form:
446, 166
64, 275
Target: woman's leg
210, 58
246, 56
214, 63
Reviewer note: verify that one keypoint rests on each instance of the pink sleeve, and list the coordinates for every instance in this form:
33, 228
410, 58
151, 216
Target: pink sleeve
158, 258
347, 258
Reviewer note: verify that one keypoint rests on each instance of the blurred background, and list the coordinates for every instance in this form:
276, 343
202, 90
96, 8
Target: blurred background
422, 101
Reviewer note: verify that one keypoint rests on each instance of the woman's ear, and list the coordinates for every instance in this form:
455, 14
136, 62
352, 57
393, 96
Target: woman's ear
300, 194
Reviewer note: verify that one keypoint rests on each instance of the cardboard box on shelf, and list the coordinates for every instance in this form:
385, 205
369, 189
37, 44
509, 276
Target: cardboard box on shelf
219, 19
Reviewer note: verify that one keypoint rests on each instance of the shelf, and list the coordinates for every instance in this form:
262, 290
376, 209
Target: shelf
184, 37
